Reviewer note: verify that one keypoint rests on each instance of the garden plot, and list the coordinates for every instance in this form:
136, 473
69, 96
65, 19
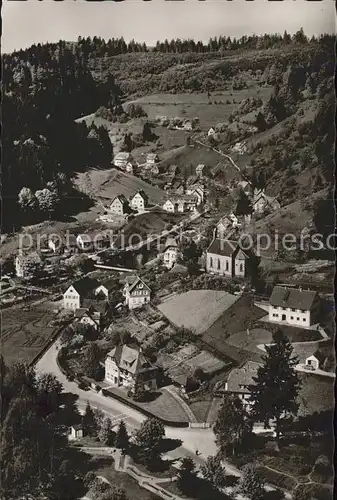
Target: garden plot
197, 309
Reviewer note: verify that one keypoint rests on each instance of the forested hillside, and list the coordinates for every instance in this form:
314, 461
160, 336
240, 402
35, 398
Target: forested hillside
46, 87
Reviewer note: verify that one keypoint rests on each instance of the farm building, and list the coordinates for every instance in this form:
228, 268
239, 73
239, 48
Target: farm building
197, 190
199, 170
211, 131
93, 240
152, 159
294, 306
136, 292
128, 367
246, 187
76, 431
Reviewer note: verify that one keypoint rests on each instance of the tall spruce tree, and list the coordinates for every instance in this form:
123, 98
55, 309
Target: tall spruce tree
274, 393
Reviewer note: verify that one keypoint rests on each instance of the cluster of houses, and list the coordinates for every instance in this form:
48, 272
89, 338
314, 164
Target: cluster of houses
127, 163
120, 205
185, 198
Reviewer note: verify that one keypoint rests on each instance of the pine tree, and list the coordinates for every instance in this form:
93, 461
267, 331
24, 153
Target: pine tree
251, 483
122, 437
186, 476
89, 421
243, 205
274, 393
214, 472
106, 434
231, 424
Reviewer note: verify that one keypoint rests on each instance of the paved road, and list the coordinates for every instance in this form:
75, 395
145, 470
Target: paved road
193, 439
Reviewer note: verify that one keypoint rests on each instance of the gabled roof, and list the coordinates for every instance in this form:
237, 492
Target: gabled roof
151, 156
89, 311
242, 377
292, 297
130, 359
121, 198
84, 285
132, 282
142, 194
95, 305
170, 242
223, 247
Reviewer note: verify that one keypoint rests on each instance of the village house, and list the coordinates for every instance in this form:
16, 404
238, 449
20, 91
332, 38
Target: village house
104, 289
76, 431
246, 187
56, 243
139, 201
294, 306
122, 159
120, 205
197, 190
262, 202
239, 380
211, 131
73, 297
128, 367
199, 170
230, 221
170, 253
152, 159
180, 204
315, 361
169, 205
136, 292
225, 257
27, 264
129, 168
88, 316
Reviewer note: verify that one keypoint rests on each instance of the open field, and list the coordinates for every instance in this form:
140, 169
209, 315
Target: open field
24, 333
197, 309
210, 111
106, 184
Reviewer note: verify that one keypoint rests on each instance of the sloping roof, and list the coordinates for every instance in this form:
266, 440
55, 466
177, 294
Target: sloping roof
178, 269
95, 305
84, 285
242, 377
130, 359
292, 297
241, 255
151, 156
142, 193
109, 284
132, 281
121, 198
223, 247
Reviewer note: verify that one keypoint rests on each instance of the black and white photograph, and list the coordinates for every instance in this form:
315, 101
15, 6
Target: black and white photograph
167, 250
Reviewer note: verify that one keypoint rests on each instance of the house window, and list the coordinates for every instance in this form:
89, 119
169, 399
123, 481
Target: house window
241, 268
303, 319
218, 263
298, 319
291, 317
211, 262
227, 265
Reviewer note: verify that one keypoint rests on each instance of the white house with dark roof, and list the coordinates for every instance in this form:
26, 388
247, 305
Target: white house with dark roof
199, 170
152, 159
139, 201
128, 367
136, 292
75, 294
119, 205
294, 306
227, 258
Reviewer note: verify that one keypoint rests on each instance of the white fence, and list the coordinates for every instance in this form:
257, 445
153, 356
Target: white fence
199, 425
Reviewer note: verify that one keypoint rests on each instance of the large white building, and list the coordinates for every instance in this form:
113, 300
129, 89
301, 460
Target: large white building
119, 205
170, 253
128, 367
139, 201
122, 159
294, 306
